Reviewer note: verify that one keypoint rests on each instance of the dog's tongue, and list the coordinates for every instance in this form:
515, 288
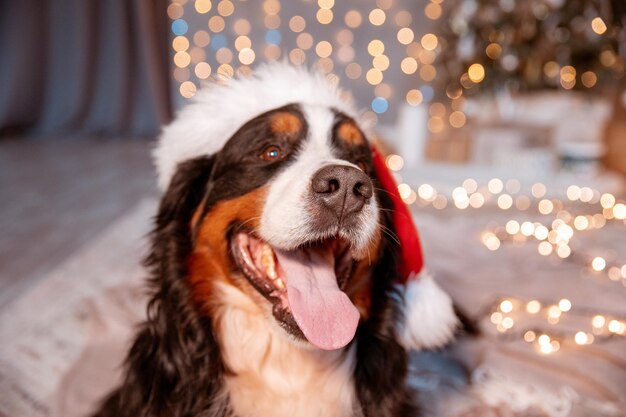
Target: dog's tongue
323, 312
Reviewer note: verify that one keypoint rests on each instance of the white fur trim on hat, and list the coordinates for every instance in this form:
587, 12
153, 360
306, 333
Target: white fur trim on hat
220, 108
429, 318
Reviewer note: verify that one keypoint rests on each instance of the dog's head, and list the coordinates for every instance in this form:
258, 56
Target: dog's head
282, 204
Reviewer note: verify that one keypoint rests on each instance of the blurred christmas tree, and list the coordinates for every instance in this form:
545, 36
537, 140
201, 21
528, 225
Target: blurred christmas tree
532, 45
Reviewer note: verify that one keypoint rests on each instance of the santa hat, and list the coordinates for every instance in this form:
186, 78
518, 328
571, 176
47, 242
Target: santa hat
429, 320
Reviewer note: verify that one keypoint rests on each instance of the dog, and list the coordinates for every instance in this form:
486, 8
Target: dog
275, 263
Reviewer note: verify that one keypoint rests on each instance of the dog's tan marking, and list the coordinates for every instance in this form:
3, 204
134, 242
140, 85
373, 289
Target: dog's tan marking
209, 260
349, 132
285, 123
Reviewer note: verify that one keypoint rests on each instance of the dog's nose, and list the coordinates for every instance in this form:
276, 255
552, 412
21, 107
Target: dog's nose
343, 189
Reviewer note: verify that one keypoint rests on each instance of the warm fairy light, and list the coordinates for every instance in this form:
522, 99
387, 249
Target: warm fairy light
405, 36
426, 192
496, 317
394, 162
491, 241
457, 119
581, 223
304, 41
476, 72
545, 248
586, 194
545, 206
403, 18
353, 19
271, 6
544, 339
242, 27
353, 71
435, 125
408, 65
530, 336
589, 79
428, 73
377, 17
272, 52
541, 232
326, 4
181, 74
581, 338
598, 264
623, 271
614, 273
476, 200
297, 24
175, 11
202, 70
565, 305
380, 62
538, 190
323, 49
512, 227
495, 185
432, 11
225, 7
187, 89
201, 38
619, 211
216, 24
375, 47
440, 202
598, 321
527, 228
563, 251
513, 186
573, 192
180, 44
202, 6
374, 76
554, 312
598, 25
470, 185
224, 56
533, 307
414, 97
225, 71
182, 59
506, 306
607, 200
242, 42
507, 323
493, 51
505, 201
429, 42
324, 16
616, 326
404, 190
297, 56
246, 56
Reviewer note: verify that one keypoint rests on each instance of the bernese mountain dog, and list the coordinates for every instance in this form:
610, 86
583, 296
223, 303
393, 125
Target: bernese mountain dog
274, 264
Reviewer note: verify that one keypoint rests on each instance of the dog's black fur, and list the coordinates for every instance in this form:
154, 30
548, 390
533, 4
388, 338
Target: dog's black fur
175, 368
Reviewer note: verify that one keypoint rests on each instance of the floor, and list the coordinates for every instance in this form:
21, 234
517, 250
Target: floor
55, 195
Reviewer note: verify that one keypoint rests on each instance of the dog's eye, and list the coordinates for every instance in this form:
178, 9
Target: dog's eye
272, 153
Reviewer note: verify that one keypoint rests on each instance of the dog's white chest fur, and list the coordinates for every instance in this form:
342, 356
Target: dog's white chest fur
274, 377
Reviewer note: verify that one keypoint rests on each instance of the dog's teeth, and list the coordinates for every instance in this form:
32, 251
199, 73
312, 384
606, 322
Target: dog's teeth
267, 261
279, 283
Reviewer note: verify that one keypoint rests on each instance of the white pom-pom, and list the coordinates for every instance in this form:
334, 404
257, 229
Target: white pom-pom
429, 318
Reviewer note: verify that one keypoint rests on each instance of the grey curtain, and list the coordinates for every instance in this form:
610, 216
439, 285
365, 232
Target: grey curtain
83, 67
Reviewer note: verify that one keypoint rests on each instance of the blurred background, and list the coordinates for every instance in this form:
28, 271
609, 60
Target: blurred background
504, 122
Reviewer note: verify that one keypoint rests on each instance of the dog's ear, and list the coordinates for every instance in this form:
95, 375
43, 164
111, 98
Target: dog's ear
175, 352
185, 191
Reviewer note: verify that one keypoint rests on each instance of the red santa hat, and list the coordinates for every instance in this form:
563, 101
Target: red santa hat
429, 320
